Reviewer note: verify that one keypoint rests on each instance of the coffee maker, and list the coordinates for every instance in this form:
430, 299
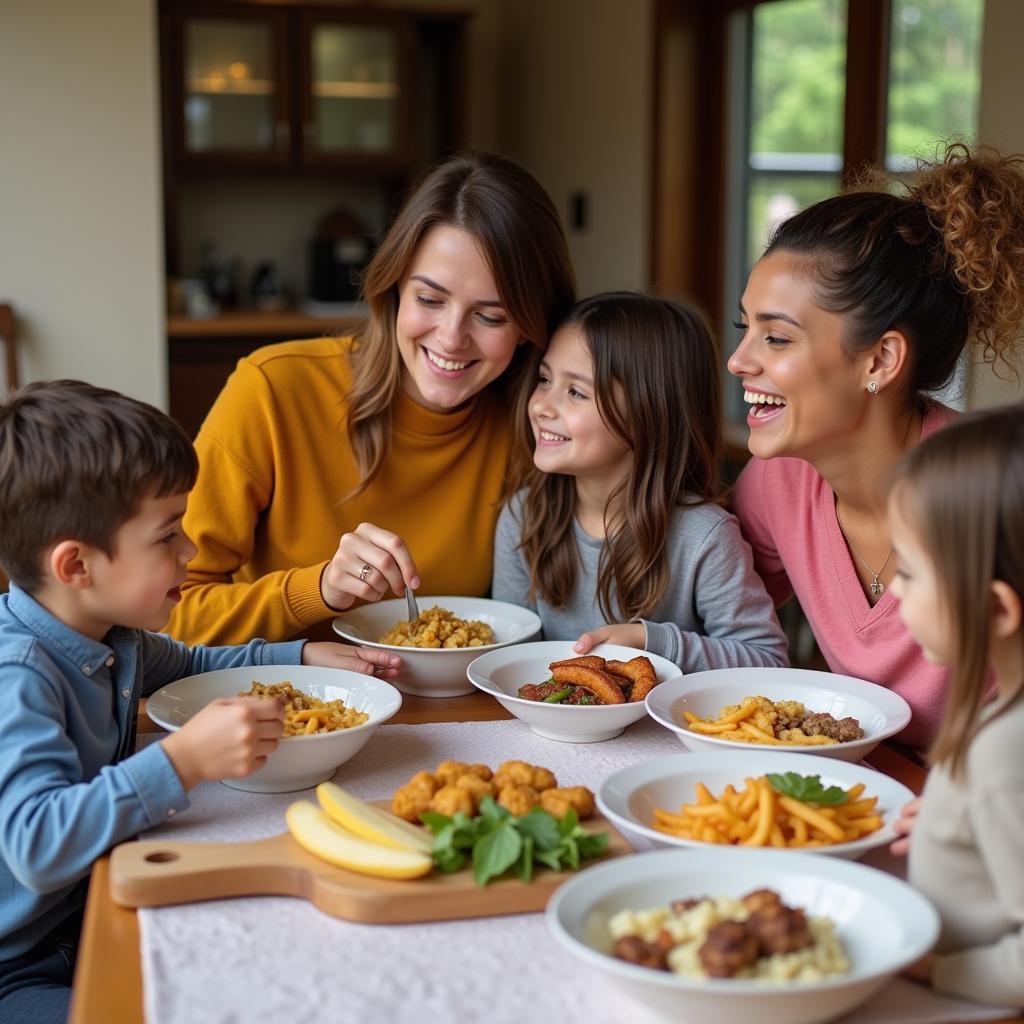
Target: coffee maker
339, 253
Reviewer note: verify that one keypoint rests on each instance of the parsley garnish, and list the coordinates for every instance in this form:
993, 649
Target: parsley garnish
806, 788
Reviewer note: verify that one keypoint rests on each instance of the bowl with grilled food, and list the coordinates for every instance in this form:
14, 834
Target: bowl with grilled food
562, 696
779, 709
330, 714
436, 648
743, 798
734, 935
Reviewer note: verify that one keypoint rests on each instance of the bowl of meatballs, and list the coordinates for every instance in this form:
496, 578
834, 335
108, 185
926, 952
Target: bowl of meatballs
562, 696
734, 935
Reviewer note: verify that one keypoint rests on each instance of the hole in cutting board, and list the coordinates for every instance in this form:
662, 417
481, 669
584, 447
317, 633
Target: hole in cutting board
161, 857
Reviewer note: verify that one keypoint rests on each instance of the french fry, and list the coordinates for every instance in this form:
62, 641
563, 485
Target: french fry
757, 720
758, 816
813, 817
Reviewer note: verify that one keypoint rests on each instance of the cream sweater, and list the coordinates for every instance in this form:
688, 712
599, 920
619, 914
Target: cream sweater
967, 856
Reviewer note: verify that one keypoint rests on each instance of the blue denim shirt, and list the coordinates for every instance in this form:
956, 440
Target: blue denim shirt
70, 785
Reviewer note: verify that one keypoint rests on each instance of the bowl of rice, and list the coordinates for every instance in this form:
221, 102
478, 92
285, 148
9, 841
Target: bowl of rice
652, 926
330, 715
438, 647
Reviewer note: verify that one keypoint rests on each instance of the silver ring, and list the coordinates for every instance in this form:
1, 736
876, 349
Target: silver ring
365, 571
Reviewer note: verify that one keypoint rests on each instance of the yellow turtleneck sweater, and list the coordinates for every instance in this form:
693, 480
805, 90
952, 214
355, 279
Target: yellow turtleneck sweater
274, 463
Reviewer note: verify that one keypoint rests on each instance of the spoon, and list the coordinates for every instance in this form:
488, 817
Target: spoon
413, 611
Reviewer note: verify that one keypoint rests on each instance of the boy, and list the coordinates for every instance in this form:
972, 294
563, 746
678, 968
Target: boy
93, 486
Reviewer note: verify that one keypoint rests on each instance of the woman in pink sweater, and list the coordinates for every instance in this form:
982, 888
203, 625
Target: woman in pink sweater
861, 305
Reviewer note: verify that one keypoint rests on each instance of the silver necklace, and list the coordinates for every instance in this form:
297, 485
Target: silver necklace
877, 587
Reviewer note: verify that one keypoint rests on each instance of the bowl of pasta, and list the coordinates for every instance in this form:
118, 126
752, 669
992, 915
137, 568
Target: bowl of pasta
330, 715
735, 935
779, 710
562, 696
437, 648
742, 798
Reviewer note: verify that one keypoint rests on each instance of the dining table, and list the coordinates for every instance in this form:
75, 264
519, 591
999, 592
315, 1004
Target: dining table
108, 982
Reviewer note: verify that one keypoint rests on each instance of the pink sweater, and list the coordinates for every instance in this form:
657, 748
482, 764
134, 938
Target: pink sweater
788, 514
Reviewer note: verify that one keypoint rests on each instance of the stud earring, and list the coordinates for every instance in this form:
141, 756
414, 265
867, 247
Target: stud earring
873, 387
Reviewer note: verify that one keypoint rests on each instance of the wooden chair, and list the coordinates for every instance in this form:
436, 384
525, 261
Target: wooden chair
8, 335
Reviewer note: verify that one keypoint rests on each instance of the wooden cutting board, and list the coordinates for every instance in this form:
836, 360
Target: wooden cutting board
162, 873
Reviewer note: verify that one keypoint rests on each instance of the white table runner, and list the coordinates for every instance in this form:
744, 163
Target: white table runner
272, 959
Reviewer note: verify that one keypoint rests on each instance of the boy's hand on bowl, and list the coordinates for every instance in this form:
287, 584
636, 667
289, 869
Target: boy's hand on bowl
368, 562
230, 738
903, 826
628, 634
368, 660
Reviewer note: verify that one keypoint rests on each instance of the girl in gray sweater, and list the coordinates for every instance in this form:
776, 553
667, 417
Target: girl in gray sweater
618, 534
957, 520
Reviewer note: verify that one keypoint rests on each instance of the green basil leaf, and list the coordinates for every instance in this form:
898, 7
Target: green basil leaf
570, 853
491, 810
434, 821
524, 865
569, 821
806, 788
592, 844
449, 860
541, 827
495, 853
549, 858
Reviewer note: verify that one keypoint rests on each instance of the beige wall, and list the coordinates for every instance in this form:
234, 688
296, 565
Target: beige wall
80, 206
1000, 124
574, 88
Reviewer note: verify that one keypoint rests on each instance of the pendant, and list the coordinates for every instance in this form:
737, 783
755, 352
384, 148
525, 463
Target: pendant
877, 587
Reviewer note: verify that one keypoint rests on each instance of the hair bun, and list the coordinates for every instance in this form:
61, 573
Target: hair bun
974, 200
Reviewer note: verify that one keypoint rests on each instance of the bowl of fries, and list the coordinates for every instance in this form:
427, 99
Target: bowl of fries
721, 710
328, 720
882, 923
789, 801
502, 673
469, 626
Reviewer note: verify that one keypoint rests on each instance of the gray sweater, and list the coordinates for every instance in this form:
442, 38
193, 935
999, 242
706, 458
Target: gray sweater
967, 857
714, 614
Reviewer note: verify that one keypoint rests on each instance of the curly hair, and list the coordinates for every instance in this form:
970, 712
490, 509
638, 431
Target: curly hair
943, 263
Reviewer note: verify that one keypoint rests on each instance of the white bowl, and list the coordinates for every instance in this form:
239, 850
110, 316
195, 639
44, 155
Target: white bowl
501, 673
629, 796
883, 923
299, 762
437, 672
881, 712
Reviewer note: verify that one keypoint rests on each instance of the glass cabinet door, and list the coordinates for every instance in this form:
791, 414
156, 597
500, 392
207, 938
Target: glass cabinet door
233, 101
353, 101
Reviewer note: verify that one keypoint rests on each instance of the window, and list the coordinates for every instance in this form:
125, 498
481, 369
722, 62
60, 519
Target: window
817, 89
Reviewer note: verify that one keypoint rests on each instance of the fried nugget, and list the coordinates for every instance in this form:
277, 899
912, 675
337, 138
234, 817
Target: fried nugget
519, 800
513, 773
452, 799
448, 771
640, 671
599, 683
412, 799
479, 788
558, 801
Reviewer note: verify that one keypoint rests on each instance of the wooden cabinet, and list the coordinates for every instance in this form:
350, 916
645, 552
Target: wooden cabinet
258, 86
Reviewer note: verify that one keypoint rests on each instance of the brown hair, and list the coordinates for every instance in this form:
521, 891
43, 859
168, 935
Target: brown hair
75, 462
513, 220
963, 489
942, 263
663, 358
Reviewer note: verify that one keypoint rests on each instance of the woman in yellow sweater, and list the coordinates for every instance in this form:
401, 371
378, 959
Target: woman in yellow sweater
340, 469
